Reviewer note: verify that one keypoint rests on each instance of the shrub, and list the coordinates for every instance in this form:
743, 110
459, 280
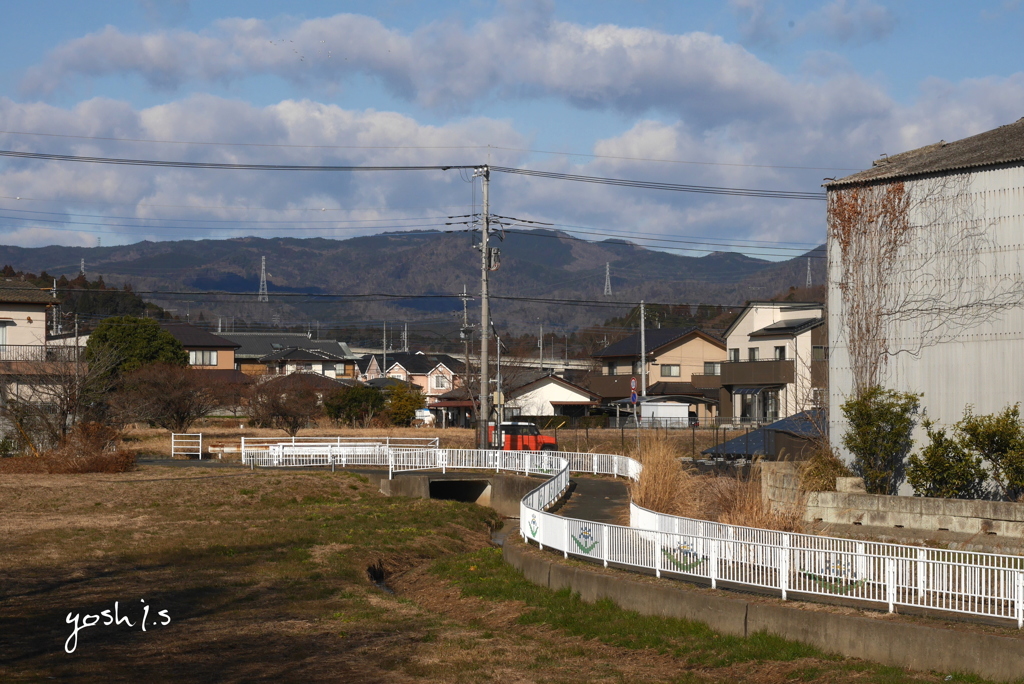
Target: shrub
880, 436
354, 406
999, 439
819, 472
89, 448
402, 403
946, 468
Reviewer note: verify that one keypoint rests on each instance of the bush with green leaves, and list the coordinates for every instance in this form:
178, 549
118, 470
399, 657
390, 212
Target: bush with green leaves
881, 424
998, 438
135, 342
946, 468
402, 402
354, 406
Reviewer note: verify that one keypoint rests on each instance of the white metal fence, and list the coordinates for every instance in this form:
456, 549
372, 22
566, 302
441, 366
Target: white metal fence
892, 575
187, 445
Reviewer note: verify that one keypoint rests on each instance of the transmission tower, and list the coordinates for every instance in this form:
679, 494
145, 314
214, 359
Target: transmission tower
607, 279
808, 273
263, 296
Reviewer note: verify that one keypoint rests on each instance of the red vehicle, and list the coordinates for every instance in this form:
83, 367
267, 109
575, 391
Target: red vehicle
523, 437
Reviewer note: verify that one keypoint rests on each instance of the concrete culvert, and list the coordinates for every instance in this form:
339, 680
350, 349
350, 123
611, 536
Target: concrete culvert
471, 491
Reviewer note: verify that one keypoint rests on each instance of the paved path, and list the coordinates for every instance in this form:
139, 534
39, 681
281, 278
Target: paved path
598, 499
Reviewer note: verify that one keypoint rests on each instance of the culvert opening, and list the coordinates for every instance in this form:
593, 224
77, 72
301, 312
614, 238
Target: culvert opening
378, 575
471, 491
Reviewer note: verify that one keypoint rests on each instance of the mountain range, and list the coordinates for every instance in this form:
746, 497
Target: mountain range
304, 273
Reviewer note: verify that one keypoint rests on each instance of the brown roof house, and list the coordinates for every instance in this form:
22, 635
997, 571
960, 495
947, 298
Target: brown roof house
206, 351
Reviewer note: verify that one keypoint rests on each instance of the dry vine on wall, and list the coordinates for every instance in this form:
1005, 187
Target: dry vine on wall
910, 264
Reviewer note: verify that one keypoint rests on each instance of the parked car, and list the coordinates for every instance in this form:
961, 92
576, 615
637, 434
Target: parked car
522, 437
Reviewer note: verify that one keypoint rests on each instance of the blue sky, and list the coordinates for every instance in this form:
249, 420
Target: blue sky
747, 93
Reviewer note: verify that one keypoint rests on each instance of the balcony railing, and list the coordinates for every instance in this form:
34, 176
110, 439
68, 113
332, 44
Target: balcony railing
39, 352
768, 372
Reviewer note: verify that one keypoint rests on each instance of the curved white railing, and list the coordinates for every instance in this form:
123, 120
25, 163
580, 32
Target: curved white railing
990, 585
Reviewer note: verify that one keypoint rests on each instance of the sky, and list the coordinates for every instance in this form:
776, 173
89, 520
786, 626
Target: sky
752, 94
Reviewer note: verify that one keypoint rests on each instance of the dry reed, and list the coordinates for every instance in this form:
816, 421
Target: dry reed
819, 472
666, 487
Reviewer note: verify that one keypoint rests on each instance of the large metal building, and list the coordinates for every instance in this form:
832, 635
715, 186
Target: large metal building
925, 291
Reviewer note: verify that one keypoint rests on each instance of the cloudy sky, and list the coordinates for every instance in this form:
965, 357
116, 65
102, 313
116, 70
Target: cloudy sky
744, 94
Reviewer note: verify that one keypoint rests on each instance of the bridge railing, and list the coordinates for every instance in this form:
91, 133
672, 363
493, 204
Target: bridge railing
891, 575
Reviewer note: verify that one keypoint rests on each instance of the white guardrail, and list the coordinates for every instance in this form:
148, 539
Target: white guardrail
893, 575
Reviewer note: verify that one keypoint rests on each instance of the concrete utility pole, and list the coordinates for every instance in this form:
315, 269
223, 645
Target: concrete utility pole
540, 343
485, 311
467, 336
384, 351
643, 353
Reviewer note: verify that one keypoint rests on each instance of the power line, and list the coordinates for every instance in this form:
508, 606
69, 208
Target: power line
675, 187
559, 153
42, 156
650, 185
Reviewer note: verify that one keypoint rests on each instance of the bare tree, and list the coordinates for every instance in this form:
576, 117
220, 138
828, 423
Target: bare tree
43, 400
915, 266
288, 403
170, 396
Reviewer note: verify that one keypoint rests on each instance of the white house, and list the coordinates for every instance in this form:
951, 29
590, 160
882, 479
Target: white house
548, 395
776, 361
927, 296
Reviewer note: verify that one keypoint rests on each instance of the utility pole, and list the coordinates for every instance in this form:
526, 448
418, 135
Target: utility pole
808, 285
466, 333
485, 311
384, 351
540, 343
405, 338
643, 353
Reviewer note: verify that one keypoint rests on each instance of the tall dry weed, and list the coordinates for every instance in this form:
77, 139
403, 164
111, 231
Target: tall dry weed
819, 472
666, 486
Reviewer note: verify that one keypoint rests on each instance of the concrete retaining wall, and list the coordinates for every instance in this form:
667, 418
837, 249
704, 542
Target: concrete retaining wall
992, 525
914, 646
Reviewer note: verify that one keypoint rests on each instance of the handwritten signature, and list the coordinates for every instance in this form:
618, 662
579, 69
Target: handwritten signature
109, 618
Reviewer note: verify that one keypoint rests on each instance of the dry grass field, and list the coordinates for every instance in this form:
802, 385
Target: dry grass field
253, 576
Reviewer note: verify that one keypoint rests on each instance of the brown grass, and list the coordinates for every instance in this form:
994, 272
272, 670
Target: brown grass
666, 487
89, 448
819, 473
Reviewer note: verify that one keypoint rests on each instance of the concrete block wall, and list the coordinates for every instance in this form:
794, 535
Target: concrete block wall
780, 486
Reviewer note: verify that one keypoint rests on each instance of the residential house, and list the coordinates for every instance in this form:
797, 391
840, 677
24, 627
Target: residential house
299, 360
680, 361
776, 365
529, 394
951, 323
434, 374
206, 351
256, 346
23, 317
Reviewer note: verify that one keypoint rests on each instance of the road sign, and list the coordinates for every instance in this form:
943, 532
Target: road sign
632, 385
632, 397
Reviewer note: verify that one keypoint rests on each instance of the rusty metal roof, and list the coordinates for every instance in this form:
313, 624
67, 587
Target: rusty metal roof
1003, 145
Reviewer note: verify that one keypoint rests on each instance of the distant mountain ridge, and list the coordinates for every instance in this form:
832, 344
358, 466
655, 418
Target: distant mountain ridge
534, 264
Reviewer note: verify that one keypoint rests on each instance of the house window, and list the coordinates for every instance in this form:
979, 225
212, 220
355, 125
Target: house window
202, 358
819, 353
819, 397
712, 368
753, 353
734, 355
613, 368
780, 353
440, 382
670, 370
328, 368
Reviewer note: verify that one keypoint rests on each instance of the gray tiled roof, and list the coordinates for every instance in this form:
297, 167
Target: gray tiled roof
1003, 145
20, 292
192, 337
257, 345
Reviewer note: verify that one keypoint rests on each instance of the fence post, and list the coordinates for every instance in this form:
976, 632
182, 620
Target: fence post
604, 555
391, 465
330, 456
657, 554
1019, 601
890, 583
615, 467
784, 567
922, 585
565, 546
200, 446
713, 562
444, 462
